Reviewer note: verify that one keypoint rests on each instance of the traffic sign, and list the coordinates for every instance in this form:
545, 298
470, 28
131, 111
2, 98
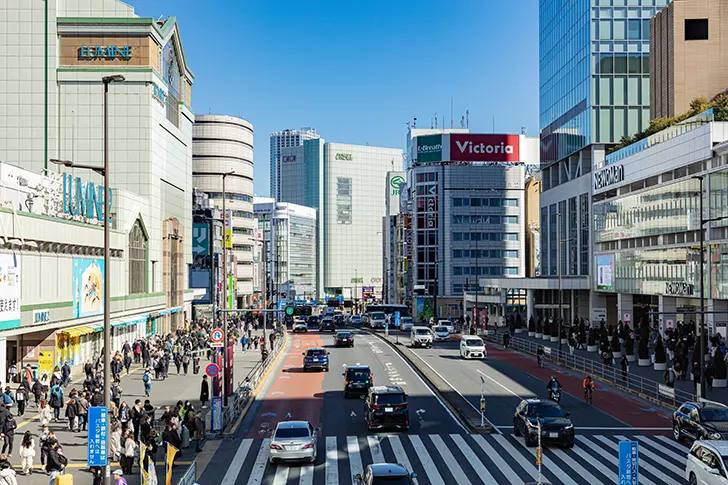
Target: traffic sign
629, 463
212, 369
482, 404
217, 335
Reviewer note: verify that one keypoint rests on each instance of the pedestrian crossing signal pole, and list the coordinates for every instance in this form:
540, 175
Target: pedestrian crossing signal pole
539, 450
482, 402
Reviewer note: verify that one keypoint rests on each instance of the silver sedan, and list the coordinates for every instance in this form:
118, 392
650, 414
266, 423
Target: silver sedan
294, 441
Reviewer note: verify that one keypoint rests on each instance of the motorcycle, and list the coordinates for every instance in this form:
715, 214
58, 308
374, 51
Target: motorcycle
555, 395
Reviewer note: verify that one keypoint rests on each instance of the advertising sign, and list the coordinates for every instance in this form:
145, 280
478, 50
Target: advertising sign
9, 291
605, 270
429, 148
628, 463
216, 410
599, 314
228, 230
190, 475
424, 307
396, 319
88, 287
468, 147
200, 239
536, 235
97, 428
45, 362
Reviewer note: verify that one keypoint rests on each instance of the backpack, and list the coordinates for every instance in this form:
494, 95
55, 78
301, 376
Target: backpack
145, 378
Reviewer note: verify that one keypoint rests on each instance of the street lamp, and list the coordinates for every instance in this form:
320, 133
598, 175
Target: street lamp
104, 171
226, 221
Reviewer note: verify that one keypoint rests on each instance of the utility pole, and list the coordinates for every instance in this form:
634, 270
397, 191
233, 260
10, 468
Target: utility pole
226, 221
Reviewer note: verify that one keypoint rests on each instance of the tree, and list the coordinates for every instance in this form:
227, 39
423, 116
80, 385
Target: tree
616, 346
643, 349
698, 105
719, 368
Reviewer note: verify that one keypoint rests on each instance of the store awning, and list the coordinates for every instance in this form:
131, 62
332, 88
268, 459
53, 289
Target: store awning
171, 310
130, 321
78, 331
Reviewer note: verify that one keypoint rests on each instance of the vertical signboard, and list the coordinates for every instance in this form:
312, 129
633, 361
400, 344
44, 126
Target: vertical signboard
216, 410
396, 319
88, 287
228, 230
200, 239
628, 463
97, 429
395, 182
605, 270
230, 292
9, 291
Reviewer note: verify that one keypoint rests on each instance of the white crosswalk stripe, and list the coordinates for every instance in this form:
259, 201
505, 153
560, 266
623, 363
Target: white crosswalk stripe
460, 458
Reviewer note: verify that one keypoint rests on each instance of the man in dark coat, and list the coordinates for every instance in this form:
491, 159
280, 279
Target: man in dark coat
204, 392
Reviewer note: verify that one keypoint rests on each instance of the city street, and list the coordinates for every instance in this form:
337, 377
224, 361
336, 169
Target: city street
437, 447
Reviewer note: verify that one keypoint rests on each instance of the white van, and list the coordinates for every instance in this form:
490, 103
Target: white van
472, 347
421, 337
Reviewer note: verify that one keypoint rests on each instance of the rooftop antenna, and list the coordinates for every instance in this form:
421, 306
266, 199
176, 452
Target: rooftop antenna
408, 126
467, 118
523, 130
414, 124
435, 120
493, 124
462, 121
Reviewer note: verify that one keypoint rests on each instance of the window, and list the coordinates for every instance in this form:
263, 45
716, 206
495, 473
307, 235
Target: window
343, 200
137, 259
510, 219
633, 29
696, 29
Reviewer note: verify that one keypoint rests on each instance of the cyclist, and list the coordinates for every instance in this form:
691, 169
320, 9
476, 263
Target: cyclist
539, 355
588, 389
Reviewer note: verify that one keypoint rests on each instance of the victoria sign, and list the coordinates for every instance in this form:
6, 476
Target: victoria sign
484, 148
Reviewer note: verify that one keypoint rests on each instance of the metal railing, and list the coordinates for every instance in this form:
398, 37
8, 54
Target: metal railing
631, 383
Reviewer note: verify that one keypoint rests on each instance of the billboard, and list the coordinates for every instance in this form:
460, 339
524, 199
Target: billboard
429, 148
88, 287
468, 147
228, 230
9, 291
200, 239
424, 308
605, 270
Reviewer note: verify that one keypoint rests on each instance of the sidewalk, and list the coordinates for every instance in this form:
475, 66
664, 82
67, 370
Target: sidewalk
647, 372
164, 392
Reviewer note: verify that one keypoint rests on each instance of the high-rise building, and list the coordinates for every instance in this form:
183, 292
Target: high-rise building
278, 141
689, 54
223, 144
347, 184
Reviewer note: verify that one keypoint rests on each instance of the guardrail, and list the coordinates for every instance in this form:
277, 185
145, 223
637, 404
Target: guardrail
631, 383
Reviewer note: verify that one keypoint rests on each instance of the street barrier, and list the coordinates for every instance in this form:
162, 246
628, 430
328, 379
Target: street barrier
640, 386
190, 475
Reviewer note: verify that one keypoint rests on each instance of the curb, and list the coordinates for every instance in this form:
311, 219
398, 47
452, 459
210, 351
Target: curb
457, 404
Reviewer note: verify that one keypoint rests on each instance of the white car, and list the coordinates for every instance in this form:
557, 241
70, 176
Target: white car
706, 464
299, 326
420, 337
473, 348
448, 324
293, 441
406, 323
442, 334
377, 320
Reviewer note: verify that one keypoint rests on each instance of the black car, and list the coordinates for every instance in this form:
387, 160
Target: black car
705, 420
327, 325
386, 407
357, 380
556, 427
344, 339
313, 321
385, 474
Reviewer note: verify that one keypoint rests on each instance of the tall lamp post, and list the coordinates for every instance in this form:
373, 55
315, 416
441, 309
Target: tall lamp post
226, 221
104, 171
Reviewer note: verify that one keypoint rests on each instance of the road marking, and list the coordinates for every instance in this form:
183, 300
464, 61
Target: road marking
332, 460
399, 452
352, 446
596, 463
681, 459
580, 470
643, 464
306, 475
608, 456
674, 444
375, 449
256, 474
495, 456
548, 465
496, 382
605, 428
430, 469
237, 464
281, 477
472, 458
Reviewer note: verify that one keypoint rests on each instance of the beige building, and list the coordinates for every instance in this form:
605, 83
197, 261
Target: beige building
689, 54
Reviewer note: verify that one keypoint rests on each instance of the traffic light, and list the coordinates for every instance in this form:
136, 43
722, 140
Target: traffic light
307, 310
290, 311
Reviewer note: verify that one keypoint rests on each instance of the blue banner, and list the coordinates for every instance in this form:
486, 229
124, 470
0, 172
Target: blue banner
628, 463
98, 426
396, 319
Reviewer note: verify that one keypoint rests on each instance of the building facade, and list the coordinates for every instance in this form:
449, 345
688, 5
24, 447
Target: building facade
278, 141
224, 144
289, 231
689, 55
52, 108
347, 185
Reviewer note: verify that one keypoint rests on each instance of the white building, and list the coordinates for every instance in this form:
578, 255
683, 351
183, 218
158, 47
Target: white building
278, 141
347, 184
222, 144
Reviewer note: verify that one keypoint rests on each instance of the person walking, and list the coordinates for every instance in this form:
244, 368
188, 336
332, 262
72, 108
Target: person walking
129, 452
44, 445
83, 406
204, 392
147, 380
709, 371
696, 376
56, 461
136, 413
72, 415
625, 370
27, 453
8, 398
65, 374
8, 434
199, 436
56, 401
670, 376
21, 396
119, 477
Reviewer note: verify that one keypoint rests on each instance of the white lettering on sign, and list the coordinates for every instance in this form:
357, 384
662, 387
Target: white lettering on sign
679, 288
608, 176
470, 147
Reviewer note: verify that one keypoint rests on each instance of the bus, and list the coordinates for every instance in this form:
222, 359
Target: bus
388, 309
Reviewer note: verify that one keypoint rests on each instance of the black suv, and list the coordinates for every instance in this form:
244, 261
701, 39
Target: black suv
386, 407
344, 339
705, 420
313, 321
327, 324
357, 380
556, 427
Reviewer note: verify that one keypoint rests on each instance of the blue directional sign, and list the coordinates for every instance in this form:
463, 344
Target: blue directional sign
396, 319
628, 463
98, 423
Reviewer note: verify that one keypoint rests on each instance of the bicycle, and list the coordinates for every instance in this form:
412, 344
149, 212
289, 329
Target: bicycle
540, 361
588, 391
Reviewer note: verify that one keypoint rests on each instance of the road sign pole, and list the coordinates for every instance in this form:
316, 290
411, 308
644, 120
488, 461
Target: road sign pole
539, 450
482, 402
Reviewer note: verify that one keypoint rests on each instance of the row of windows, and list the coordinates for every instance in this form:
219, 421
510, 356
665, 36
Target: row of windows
485, 236
245, 214
621, 29
484, 271
242, 247
426, 177
484, 253
231, 196
484, 219
479, 202
608, 63
242, 230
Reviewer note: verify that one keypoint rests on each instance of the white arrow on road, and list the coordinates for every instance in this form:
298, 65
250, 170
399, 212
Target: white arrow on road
352, 415
288, 415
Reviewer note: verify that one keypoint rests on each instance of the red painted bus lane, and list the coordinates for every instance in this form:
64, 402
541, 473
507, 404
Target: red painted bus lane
293, 394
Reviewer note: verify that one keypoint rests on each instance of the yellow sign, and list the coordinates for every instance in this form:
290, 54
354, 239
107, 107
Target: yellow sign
45, 362
228, 230
171, 453
144, 472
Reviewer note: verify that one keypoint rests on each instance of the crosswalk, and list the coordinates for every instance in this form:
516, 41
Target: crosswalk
462, 459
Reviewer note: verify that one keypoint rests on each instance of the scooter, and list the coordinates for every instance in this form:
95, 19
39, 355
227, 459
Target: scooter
555, 395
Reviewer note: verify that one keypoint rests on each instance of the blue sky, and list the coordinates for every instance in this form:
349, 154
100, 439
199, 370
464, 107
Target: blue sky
358, 71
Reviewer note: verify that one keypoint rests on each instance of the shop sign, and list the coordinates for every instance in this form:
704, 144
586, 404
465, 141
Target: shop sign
429, 148
81, 198
159, 94
348, 157
105, 52
228, 232
88, 287
41, 316
484, 148
9, 291
395, 183
45, 361
288, 158
610, 175
679, 288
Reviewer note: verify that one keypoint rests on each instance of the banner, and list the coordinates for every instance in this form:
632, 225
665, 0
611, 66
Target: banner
45, 362
171, 453
88, 287
228, 230
144, 474
152, 472
9, 291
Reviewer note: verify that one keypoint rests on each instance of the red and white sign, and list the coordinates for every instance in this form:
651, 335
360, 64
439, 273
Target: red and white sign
216, 337
627, 318
212, 370
484, 148
670, 324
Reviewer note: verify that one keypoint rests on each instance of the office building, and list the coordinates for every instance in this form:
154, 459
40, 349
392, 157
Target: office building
224, 144
52, 108
289, 233
395, 183
278, 141
689, 55
347, 185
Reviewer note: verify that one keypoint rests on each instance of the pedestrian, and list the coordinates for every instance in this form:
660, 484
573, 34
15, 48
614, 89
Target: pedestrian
136, 413
56, 400
196, 364
149, 410
670, 376
625, 369
115, 440
244, 342
72, 414
204, 392
199, 426
709, 371
696, 376
124, 416
129, 452
185, 362
56, 461
7, 472
27, 453
21, 396
12, 372
119, 478
83, 406
572, 343
147, 380
8, 398
98, 474
178, 362
65, 374
255, 343
8, 434
37, 390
